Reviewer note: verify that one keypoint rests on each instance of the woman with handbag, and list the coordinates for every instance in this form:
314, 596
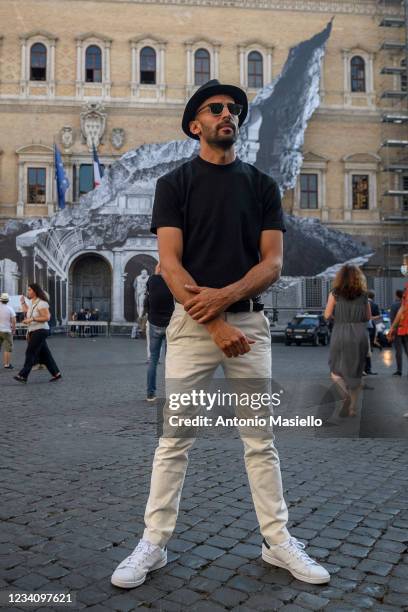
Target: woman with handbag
37, 316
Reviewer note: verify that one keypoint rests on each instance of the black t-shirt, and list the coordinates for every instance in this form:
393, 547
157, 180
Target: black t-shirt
159, 301
222, 210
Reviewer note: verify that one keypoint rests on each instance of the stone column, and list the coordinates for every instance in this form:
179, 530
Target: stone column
23, 80
242, 73
51, 77
79, 80
58, 296
27, 267
118, 298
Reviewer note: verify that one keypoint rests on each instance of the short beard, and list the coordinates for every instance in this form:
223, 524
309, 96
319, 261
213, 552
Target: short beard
223, 142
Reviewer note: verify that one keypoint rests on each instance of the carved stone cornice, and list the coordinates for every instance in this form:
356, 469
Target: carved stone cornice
362, 7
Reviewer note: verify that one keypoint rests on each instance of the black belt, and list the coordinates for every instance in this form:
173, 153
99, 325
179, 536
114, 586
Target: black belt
245, 306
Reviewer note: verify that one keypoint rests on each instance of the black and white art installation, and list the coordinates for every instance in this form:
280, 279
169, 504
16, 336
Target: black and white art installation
111, 223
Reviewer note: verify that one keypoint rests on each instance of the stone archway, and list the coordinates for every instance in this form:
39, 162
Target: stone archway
90, 284
133, 268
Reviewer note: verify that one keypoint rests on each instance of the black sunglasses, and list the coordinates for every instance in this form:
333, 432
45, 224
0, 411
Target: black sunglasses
216, 108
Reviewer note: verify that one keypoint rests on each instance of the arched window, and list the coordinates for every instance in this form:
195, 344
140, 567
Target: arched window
201, 66
255, 70
93, 64
148, 66
357, 74
404, 76
38, 62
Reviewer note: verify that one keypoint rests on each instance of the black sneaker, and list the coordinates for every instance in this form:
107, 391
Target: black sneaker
9, 367
397, 373
20, 378
151, 397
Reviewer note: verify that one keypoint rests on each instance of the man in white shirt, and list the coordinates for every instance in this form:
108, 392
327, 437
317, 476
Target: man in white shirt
7, 329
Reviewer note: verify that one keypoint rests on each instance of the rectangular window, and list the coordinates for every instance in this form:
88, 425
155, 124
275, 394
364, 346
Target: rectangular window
360, 191
405, 197
308, 191
86, 178
36, 185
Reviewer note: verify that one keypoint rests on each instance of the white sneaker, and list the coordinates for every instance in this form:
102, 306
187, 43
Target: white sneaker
132, 571
291, 556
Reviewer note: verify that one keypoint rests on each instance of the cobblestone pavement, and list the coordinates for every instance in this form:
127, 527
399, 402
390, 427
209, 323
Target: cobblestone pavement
75, 470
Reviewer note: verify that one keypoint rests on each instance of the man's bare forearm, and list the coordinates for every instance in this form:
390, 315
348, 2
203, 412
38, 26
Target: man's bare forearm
257, 280
176, 277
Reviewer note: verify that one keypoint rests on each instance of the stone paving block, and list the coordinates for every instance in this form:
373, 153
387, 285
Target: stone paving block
184, 596
228, 597
31, 582
254, 569
195, 536
351, 574
180, 545
362, 602
248, 551
203, 584
243, 583
181, 571
208, 552
354, 551
53, 571
235, 532
342, 584
262, 603
329, 543
400, 585
376, 591
333, 532
193, 561
230, 561
396, 599
221, 541
215, 572
91, 596
390, 545
74, 581
361, 540
382, 555
318, 553
396, 535
375, 567
207, 606
311, 602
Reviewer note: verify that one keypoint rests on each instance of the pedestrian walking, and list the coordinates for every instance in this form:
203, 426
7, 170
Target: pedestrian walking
219, 225
349, 344
399, 327
7, 329
159, 303
37, 318
397, 339
372, 331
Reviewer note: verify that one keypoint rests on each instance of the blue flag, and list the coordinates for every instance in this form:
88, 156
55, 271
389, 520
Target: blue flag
60, 177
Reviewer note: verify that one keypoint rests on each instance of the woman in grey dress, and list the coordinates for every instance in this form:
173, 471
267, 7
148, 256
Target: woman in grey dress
349, 344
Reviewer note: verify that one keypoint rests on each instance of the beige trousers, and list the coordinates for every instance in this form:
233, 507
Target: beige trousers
193, 356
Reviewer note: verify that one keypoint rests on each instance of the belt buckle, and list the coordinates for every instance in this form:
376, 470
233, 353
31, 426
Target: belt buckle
251, 305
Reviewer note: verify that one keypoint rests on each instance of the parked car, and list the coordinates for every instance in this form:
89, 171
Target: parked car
307, 328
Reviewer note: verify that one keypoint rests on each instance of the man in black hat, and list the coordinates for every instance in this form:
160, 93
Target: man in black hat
219, 224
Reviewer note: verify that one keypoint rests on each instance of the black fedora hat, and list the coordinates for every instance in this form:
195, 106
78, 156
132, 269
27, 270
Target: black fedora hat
212, 88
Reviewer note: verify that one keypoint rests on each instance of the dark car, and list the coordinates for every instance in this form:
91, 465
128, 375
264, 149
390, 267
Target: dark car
307, 328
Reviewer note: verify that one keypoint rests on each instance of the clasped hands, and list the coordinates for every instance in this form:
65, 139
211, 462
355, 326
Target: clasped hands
205, 307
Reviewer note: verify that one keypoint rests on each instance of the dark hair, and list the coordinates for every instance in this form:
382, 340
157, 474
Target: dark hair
371, 295
349, 282
399, 293
40, 293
